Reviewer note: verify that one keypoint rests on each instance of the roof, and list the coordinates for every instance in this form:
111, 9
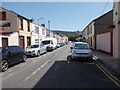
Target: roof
21, 16
97, 18
17, 14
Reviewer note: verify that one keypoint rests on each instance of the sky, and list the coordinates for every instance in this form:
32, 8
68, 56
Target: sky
64, 16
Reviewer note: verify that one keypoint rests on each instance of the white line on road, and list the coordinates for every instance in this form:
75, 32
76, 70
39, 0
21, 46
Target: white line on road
45, 63
68, 61
36, 71
27, 78
56, 54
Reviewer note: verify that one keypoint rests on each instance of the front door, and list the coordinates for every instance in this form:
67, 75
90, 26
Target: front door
4, 42
22, 42
28, 41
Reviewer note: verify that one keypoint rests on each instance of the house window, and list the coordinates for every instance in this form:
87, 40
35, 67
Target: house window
21, 24
43, 31
2, 15
36, 29
28, 26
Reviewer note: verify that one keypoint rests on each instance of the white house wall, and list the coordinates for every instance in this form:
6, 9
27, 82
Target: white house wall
14, 39
116, 30
103, 42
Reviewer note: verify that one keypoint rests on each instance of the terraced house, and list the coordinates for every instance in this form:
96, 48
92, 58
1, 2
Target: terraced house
99, 33
15, 29
38, 33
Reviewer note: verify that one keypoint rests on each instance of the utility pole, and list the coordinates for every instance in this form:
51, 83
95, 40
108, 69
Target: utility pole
49, 27
38, 33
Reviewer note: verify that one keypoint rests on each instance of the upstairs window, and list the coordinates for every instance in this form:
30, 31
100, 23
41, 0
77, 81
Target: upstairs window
21, 24
36, 29
43, 31
2, 15
28, 26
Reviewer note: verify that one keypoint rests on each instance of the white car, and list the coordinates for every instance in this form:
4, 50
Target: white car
36, 50
81, 50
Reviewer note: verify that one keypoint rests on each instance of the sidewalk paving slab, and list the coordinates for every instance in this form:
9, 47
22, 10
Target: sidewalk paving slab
109, 62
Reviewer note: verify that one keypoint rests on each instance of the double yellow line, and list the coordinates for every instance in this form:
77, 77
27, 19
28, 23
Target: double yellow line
109, 75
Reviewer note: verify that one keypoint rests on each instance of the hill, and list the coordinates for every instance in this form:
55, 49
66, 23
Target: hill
68, 32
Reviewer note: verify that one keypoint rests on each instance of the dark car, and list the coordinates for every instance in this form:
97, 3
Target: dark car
61, 44
10, 55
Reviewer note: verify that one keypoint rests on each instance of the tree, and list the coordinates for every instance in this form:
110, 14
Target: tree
72, 37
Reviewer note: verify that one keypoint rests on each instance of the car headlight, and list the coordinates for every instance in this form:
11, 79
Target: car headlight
74, 51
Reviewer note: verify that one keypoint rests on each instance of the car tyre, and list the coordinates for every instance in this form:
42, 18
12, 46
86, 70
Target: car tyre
72, 58
24, 58
38, 53
45, 51
4, 65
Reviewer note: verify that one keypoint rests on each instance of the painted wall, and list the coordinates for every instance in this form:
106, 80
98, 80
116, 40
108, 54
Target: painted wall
12, 18
116, 30
13, 39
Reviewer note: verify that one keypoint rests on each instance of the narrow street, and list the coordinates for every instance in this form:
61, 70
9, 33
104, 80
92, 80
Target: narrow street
56, 70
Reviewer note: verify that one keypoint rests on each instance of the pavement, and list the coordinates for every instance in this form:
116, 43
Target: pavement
112, 64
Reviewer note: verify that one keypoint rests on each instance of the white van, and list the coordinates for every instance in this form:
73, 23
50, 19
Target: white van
50, 43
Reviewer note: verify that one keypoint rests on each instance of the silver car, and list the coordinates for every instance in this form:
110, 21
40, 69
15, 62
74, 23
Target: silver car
81, 50
36, 50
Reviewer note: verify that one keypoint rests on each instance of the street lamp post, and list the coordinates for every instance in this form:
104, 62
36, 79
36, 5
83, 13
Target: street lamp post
49, 27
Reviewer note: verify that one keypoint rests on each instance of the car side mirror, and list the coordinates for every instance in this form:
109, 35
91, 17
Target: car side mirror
71, 48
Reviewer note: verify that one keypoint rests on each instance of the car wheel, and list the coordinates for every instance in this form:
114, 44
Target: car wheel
71, 58
4, 65
24, 58
46, 51
38, 53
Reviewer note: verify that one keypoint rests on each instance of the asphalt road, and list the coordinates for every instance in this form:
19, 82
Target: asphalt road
56, 70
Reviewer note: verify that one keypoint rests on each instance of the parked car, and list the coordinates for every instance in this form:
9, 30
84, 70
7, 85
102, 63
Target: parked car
10, 55
61, 44
58, 45
66, 43
81, 50
50, 43
36, 50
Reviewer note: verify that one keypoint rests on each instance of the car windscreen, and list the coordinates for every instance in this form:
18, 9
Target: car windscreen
81, 46
46, 42
34, 46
